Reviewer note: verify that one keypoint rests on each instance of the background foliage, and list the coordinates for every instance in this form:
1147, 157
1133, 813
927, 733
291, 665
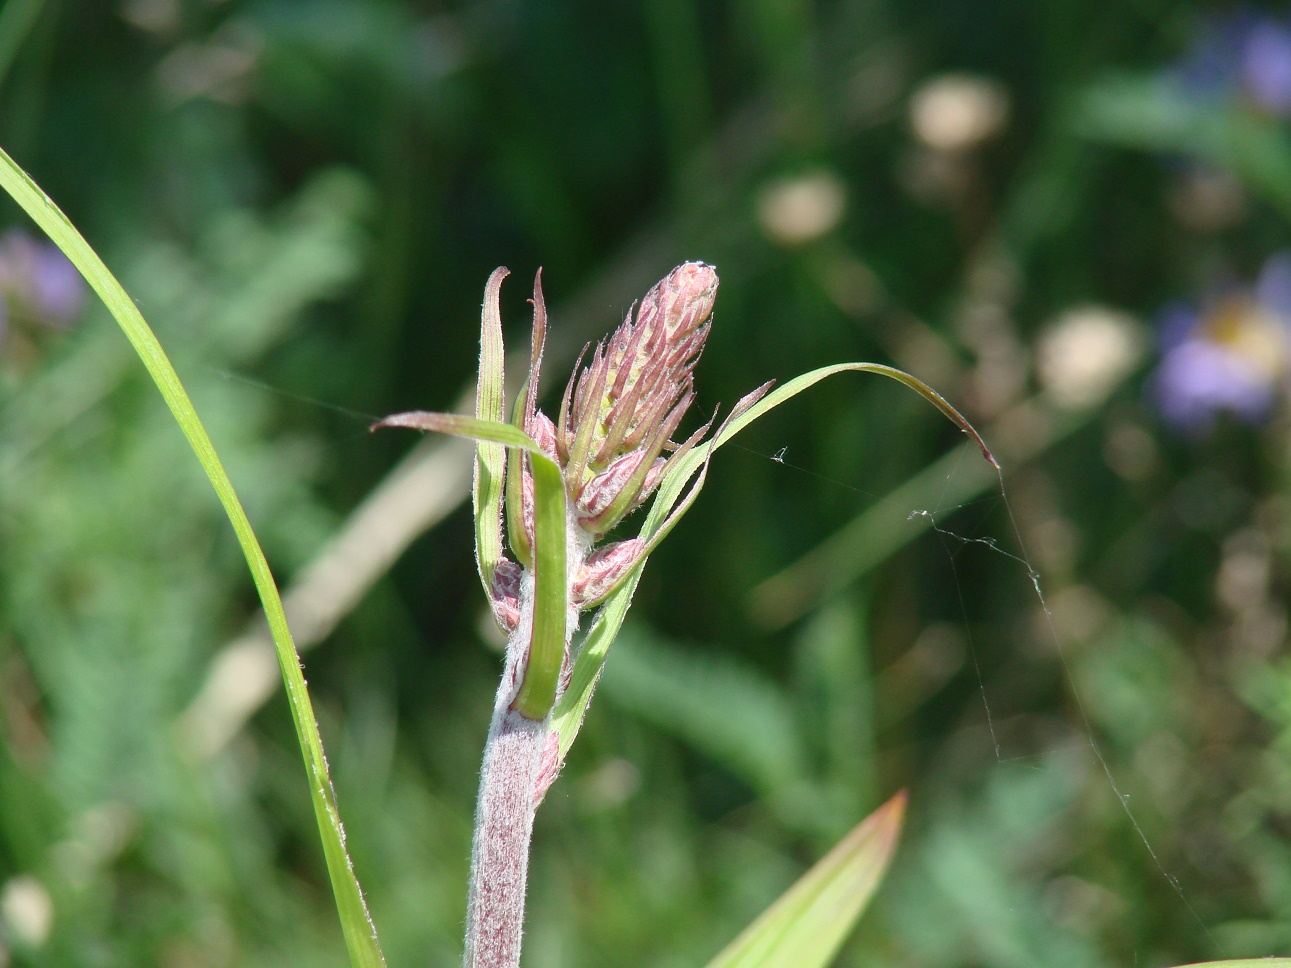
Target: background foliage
1032, 207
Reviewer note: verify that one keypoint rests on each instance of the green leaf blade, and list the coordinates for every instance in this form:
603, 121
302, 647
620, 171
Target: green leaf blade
537, 692
490, 457
356, 923
456, 425
670, 489
809, 923
569, 713
673, 499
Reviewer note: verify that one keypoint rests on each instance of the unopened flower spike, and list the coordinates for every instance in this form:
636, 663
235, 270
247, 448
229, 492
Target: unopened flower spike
629, 400
561, 487
612, 440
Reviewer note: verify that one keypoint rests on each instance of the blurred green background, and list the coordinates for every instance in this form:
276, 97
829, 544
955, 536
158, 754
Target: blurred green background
1069, 218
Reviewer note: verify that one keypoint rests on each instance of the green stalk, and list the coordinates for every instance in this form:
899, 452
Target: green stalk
356, 923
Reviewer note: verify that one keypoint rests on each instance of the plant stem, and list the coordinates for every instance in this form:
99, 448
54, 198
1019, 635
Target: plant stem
503, 825
513, 776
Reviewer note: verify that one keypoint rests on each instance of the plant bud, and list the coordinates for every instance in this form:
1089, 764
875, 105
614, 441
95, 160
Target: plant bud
504, 595
632, 395
601, 490
603, 569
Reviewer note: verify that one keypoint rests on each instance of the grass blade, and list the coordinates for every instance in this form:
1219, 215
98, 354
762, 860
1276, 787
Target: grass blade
356, 923
809, 923
672, 490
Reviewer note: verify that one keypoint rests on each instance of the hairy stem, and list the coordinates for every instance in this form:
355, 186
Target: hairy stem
503, 825
520, 762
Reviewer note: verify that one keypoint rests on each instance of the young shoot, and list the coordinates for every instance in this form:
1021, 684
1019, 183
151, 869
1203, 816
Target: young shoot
557, 487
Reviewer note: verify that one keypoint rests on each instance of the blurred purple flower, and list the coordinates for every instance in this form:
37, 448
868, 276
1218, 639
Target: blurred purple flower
1266, 66
1244, 54
37, 282
1230, 356
58, 291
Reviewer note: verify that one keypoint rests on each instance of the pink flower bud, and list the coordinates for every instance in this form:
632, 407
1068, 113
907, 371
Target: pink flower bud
598, 493
604, 569
681, 301
543, 432
632, 395
504, 595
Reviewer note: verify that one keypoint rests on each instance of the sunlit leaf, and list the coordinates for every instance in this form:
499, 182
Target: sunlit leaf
490, 457
538, 689
809, 923
794, 387
356, 923
673, 496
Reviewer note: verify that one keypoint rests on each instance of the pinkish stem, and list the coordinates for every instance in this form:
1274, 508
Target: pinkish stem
503, 826
519, 764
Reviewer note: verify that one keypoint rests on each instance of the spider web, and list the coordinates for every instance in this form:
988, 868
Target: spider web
953, 544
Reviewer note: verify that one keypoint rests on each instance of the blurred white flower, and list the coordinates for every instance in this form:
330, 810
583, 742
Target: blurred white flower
1085, 353
957, 112
154, 16
26, 910
793, 211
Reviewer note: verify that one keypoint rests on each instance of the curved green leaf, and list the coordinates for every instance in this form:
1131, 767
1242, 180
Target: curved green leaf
673, 499
551, 593
671, 488
356, 923
457, 425
567, 718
